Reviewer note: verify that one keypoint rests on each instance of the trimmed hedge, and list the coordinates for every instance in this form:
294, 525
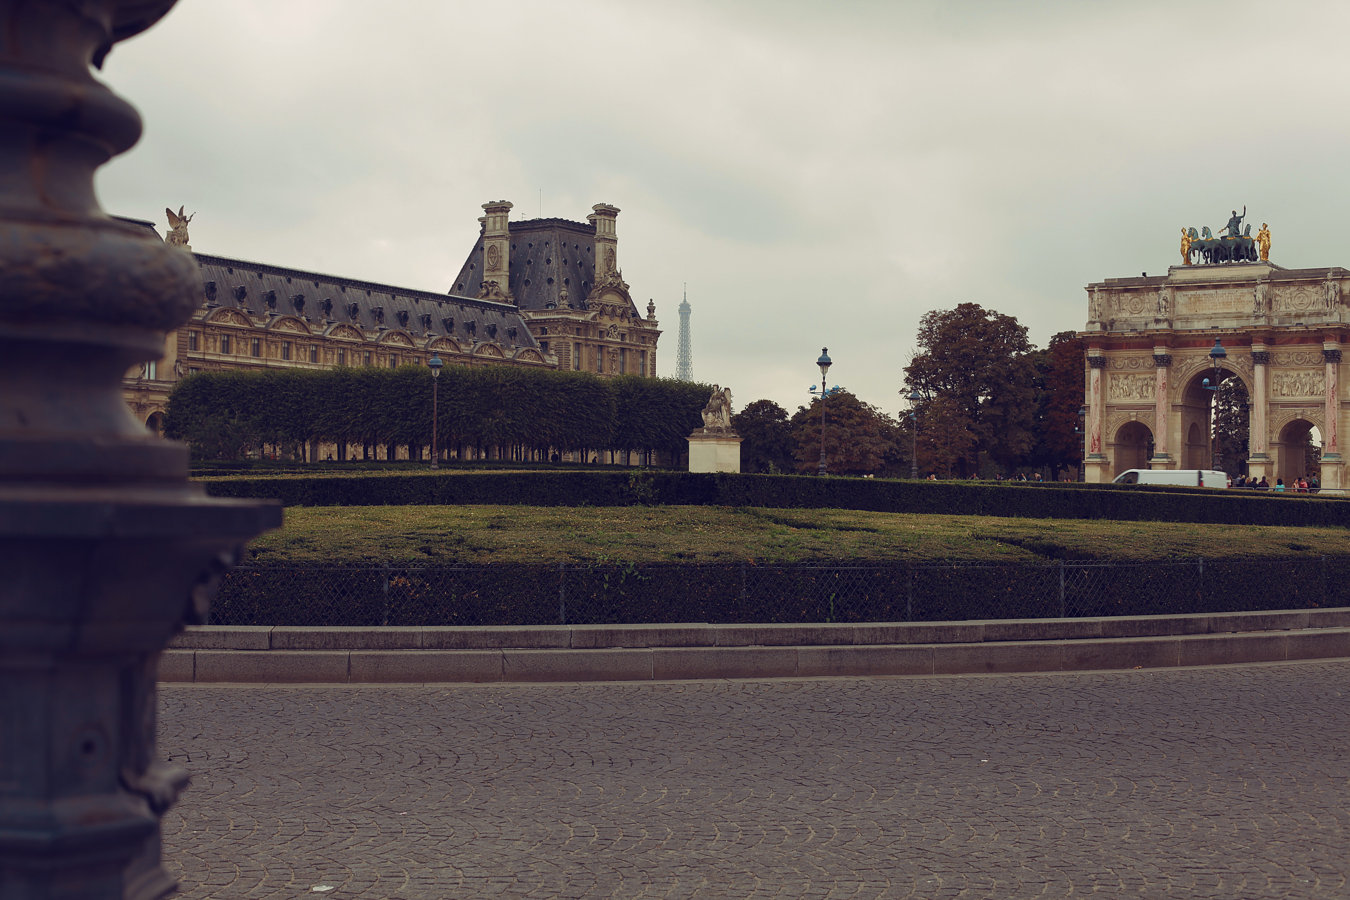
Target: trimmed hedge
642, 487
740, 593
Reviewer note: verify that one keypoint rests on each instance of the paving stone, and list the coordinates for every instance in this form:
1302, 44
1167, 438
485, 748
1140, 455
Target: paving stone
1219, 782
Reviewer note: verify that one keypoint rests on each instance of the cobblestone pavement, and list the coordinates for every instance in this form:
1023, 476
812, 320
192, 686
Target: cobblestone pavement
1224, 782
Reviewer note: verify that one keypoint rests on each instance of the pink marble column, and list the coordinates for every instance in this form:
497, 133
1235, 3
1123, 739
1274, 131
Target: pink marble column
1096, 406
1161, 362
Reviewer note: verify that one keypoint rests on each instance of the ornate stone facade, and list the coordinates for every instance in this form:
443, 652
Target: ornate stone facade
1149, 343
511, 305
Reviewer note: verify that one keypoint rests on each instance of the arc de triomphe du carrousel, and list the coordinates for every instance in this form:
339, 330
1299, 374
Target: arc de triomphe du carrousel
1157, 344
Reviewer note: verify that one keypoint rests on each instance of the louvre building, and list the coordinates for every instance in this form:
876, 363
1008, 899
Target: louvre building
547, 293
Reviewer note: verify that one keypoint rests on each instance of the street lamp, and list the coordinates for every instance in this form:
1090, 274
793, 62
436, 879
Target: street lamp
913, 398
1216, 357
435, 365
824, 362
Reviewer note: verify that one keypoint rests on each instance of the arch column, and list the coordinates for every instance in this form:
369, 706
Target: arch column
1096, 467
1162, 361
1331, 447
1258, 426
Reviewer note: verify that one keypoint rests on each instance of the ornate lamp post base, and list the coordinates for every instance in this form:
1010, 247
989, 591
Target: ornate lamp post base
106, 548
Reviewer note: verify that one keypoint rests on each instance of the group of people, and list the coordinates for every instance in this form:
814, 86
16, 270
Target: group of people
1304, 484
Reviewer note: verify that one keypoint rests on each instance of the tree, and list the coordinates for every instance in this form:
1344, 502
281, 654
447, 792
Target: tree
858, 436
1230, 426
980, 362
1061, 386
766, 437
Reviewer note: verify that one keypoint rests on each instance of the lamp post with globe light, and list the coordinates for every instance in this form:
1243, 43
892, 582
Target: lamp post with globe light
824, 362
914, 398
435, 365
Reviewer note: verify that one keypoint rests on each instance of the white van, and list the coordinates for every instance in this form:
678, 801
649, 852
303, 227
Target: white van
1209, 478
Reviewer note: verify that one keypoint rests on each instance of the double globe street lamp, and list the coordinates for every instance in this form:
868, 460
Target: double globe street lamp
435, 365
824, 362
914, 398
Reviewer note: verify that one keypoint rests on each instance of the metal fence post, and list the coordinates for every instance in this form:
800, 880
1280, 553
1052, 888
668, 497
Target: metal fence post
909, 596
1062, 606
562, 594
384, 587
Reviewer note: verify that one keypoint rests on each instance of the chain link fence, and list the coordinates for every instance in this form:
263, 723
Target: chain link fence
742, 593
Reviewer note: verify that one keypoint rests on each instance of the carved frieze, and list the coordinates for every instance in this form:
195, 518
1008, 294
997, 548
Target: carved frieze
1131, 388
1200, 303
1299, 298
1135, 363
1294, 358
1298, 384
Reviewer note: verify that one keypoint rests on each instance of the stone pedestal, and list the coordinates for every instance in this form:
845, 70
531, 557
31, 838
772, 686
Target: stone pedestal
714, 451
1332, 474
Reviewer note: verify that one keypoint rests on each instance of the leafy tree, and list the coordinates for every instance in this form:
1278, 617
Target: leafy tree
766, 437
1061, 386
858, 436
1230, 426
980, 362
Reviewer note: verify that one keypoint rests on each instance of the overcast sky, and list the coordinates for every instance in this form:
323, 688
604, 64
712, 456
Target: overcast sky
819, 174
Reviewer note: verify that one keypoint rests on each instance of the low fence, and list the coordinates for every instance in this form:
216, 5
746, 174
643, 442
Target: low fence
743, 593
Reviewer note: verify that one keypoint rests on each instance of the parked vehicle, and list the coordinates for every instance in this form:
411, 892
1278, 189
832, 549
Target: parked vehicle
1210, 478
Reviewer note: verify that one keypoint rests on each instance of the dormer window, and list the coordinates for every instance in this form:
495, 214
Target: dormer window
270, 298
298, 301
448, 323
402, 315
327, 306
211, 291
353, 311
378, 313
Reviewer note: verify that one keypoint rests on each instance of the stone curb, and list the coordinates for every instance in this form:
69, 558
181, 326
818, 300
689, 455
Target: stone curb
279, 655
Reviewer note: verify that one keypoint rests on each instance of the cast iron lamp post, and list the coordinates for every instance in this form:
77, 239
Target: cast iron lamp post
913, 398
824, 362
435, 365
1216, 357
107, 549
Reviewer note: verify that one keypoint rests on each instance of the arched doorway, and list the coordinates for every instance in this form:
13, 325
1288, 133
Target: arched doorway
1298, 450
1198, 418
1133, 447
155, 424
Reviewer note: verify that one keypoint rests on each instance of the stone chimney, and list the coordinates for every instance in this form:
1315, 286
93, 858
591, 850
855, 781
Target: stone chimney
606, 243
497, 247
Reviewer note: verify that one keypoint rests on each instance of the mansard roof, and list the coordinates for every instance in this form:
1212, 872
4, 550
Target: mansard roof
322, 301
546, 257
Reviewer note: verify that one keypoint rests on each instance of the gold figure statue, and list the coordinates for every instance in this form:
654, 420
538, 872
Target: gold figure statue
1185, 246
1263, 241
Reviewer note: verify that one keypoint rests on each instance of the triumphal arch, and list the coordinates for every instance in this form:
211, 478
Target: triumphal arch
1157, 345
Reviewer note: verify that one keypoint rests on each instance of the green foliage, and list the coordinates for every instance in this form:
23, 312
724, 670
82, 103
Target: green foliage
766, 438
611, 488
858, 436
227, 415
1231, 426
980, 362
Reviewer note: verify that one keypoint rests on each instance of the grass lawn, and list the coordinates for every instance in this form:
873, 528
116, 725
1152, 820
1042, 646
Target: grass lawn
481, 534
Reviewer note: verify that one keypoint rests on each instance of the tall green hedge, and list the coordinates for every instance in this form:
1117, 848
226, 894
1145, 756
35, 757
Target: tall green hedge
637, 487
223, 415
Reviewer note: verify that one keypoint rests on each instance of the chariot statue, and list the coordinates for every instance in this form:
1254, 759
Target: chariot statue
1236, 245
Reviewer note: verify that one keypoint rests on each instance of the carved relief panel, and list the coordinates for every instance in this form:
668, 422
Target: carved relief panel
1310, 383
1211, 302
1297, 298
1130, 388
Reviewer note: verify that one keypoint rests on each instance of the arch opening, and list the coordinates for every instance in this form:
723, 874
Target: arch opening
1133, 447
